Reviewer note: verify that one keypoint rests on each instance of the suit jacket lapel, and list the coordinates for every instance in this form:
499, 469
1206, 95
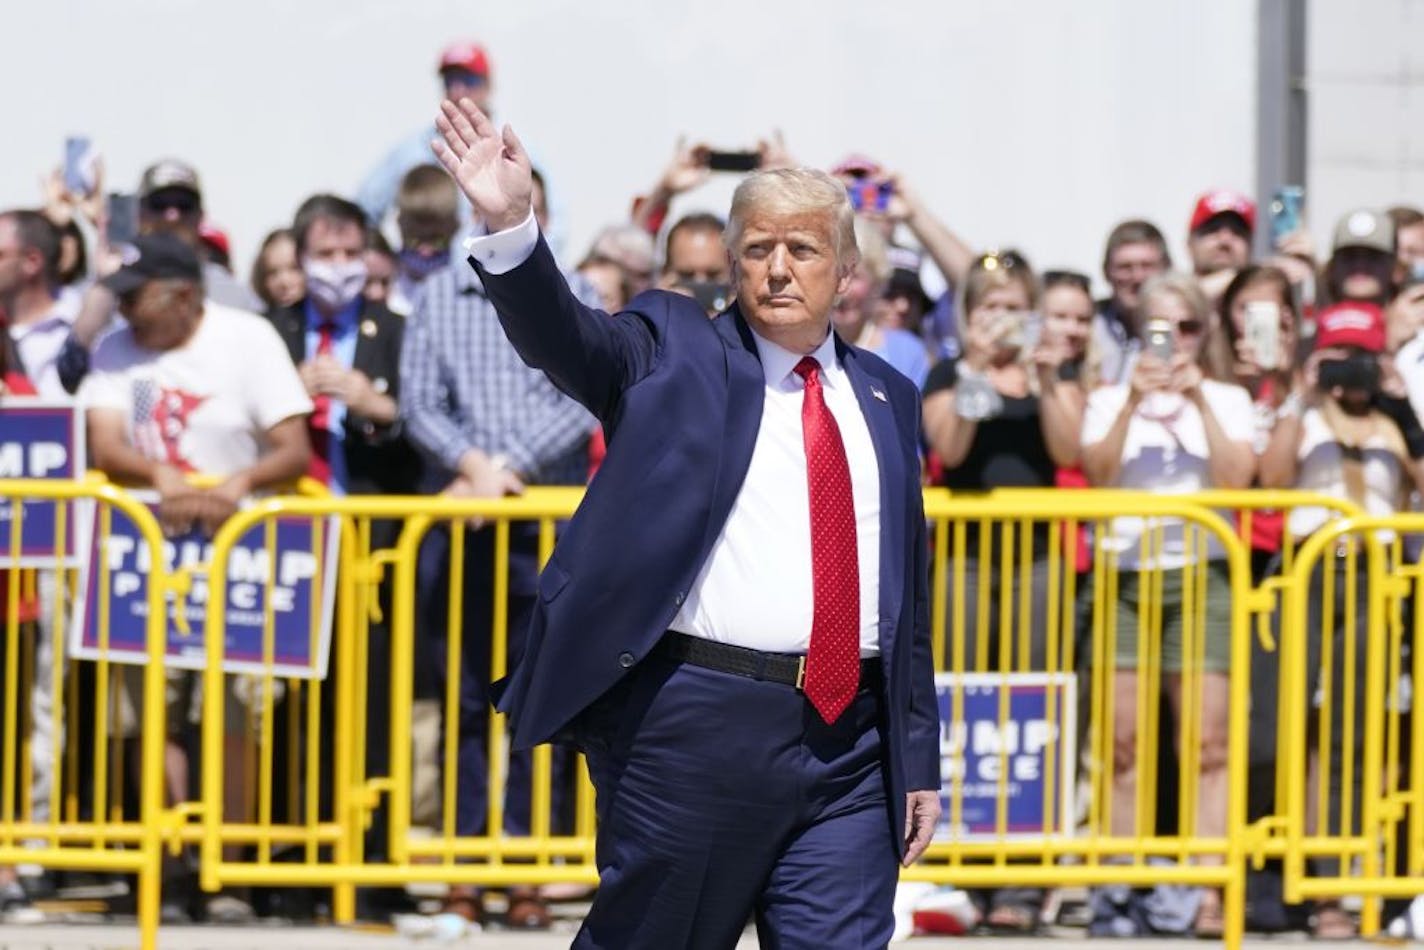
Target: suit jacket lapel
746, 394
880, 419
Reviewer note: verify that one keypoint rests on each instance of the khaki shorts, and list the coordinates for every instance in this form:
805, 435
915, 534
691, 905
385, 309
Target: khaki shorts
1139, 592
183, 699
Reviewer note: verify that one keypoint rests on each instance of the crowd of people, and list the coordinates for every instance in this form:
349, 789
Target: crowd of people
363, 352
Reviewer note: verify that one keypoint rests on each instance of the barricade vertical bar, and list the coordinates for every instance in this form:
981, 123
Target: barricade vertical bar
499, 665
402, 685
1238, 726
454, 641
1371, 824
347, 732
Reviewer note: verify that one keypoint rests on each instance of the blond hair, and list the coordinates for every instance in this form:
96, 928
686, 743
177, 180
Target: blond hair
787, 191
1214, 360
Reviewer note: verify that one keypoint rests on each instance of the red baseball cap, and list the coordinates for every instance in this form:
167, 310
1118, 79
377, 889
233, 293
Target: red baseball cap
471, 57
214, 237
1222, 201
1353, 324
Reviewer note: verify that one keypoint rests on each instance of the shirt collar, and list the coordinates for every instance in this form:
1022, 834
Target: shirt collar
345, 318
778, 364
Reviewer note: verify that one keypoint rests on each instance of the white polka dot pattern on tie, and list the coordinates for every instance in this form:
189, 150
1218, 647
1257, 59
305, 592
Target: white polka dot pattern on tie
833, 659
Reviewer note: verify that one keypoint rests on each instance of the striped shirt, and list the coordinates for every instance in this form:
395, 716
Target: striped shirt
463, 386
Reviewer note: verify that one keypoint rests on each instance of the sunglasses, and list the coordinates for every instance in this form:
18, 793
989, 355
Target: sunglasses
1066, 278
184, 202
1188, 327
1000, 260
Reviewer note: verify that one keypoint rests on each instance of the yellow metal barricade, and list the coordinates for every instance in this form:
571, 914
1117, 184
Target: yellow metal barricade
83, 736
328, 834
1354, 746
1146, 645
1138, 655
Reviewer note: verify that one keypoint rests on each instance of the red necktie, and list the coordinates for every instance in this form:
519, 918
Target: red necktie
320, 466
833, 660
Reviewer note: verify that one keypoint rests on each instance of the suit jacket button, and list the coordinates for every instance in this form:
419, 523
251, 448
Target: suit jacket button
626, 660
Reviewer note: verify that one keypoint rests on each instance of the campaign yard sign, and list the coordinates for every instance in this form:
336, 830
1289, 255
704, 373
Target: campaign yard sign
297, 577
1027, 757
40, 439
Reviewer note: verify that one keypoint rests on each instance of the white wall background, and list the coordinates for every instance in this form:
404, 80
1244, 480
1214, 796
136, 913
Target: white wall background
1366, 88
1033, 123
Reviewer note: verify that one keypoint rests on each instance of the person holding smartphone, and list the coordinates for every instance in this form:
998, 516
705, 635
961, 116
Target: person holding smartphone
1334, 439
1172, 429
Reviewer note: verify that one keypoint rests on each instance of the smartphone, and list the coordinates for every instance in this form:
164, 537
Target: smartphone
733, 161
1360, 372
867, 194
1263, 332
123, 219
1287, 208
79, 164
1159, 339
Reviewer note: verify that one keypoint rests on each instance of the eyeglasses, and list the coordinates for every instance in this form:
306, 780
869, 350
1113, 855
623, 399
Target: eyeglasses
1001, 260
1067, 278
1188, 327
183, 202
462, 77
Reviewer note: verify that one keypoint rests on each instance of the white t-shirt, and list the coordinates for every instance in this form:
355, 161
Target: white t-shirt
1322, 470
206, 406
1165, 452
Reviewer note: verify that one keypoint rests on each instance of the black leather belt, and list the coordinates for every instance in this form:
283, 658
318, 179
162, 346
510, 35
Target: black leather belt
787, 668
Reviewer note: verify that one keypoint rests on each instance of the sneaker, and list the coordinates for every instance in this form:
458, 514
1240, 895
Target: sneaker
226, 909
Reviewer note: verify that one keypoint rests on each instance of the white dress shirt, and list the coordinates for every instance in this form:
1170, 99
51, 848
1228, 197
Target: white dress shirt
755, 588
39, 343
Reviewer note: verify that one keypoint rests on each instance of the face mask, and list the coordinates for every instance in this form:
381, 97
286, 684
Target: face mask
333, 286
418, 266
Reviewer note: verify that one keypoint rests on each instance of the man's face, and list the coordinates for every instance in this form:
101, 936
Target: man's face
334, 242
1129, 267
1364, 272
1223, 242
787, 277
463, 84
1409, 247
695, 254
163, 314
170, 209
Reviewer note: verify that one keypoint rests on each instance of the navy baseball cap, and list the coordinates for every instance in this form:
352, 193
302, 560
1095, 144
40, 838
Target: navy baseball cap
160, 256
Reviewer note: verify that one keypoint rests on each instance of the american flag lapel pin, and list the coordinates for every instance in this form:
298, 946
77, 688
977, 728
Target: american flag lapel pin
877, 394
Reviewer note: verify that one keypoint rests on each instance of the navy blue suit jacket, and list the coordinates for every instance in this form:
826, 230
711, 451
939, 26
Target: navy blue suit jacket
680, 397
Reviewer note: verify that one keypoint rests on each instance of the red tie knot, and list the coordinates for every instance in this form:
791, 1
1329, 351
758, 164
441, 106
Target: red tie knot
808, 369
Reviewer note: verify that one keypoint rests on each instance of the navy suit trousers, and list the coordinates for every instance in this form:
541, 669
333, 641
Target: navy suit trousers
722, 799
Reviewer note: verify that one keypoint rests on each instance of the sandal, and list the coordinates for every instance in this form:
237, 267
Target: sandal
464, 902
1211, 922
527, 913
1333, 923
1013, 918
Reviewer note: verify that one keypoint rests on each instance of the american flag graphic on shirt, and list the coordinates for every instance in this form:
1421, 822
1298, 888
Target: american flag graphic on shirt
160, 419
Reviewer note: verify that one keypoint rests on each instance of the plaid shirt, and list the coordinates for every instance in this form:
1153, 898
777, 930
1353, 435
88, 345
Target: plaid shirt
463, 386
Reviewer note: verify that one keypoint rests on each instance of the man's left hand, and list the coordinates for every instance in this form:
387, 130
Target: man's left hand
921, 816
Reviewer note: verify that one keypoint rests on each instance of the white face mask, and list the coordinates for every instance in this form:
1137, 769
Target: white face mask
333, 286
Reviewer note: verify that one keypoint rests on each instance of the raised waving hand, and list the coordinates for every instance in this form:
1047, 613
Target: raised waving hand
490, 166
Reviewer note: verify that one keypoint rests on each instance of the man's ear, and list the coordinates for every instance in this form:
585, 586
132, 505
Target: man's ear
847, 274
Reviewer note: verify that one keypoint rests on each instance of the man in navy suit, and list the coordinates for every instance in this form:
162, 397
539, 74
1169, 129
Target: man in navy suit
734, 627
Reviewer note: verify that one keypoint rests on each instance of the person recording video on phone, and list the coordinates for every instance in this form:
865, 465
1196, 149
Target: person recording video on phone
1173, 429
1342, 434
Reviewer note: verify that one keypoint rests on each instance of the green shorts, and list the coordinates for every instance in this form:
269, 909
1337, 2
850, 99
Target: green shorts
1138, 595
